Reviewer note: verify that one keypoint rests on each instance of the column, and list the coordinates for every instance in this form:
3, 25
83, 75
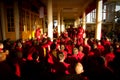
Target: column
77, 22
58, 26
84, 23
50, 19
98, 20
62, 25
16, 13
2, 19
44, 25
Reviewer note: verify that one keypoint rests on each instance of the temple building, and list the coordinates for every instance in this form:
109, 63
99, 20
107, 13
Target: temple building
20, 18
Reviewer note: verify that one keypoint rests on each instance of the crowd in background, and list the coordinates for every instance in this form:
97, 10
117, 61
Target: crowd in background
69, 56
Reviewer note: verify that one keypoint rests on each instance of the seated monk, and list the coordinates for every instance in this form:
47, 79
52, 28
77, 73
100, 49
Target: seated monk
3, 53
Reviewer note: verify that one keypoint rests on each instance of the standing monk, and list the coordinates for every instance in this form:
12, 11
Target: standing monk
37, 33
80, 35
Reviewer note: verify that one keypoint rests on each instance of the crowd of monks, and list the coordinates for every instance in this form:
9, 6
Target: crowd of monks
69, 56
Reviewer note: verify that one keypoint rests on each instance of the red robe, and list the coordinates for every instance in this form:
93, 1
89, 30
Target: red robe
69, 49
30, 52
37, 33
106, 43
52, 60
80, 32
17, 69
73, 59
86, 48
64, 52
101, 48
109, 56
62, 68
81, 55
52, 57
1, 50
80, 36
117, 50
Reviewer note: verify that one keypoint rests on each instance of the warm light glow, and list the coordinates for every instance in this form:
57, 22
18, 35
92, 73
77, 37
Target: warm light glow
55, 23
59, 30
98, 35
33, 34
84, 24
99, 20
50, 19
50, 30
30, 36
24, 28
62, 25
84, 21
75, 24
58, 23
63, 28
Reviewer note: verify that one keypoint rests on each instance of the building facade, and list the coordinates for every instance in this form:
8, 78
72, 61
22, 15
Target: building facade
18, 18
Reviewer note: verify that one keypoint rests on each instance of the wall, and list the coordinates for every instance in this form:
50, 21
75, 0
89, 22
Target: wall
0, 29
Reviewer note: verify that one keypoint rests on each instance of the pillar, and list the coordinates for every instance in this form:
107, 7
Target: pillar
98, 20
2, 19
62, 25
44, 25
77, 22
58, 26
16, 13
50, 19
84, 23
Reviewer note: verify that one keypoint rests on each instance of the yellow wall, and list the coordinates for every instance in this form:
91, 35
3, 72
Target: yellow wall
11, 35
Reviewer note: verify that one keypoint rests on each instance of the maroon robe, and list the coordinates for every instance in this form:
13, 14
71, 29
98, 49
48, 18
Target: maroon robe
69, 49
37, 33
62, 68
80, 36
86, 49
101, 48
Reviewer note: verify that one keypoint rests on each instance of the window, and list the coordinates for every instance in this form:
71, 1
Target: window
117, 7
32, 21
117, 15
28, 20
10, 20
22, 20
91, 17
104, 13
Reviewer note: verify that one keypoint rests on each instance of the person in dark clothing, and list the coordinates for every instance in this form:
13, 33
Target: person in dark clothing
95, 69
78, 73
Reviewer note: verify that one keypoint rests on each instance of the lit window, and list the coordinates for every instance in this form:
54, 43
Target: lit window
10, 20
91, 17
117, 7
